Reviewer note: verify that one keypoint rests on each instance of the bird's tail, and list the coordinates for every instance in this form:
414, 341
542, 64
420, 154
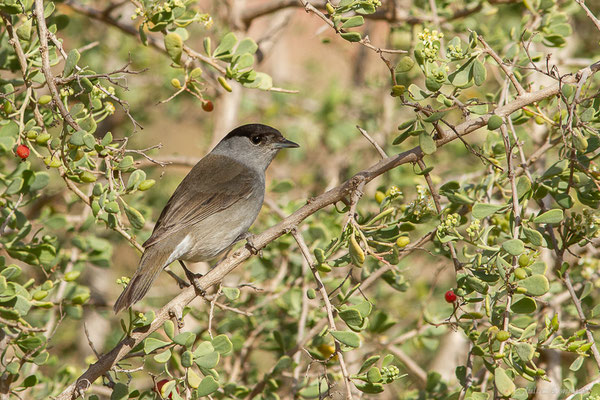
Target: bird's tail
152, 262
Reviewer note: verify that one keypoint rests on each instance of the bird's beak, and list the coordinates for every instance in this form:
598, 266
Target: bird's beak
284, 144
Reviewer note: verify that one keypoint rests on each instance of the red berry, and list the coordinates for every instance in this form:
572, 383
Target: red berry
208, 106
450, 296
23, 151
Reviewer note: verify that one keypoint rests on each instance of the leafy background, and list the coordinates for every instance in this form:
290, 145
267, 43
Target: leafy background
515, 238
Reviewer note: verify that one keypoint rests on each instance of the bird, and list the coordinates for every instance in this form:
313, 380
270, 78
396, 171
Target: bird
212, 208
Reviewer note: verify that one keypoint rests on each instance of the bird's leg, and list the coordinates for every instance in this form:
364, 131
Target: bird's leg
249, 238
181, 282
194, 279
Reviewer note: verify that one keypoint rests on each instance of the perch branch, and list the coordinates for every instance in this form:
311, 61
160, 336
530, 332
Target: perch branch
214, 276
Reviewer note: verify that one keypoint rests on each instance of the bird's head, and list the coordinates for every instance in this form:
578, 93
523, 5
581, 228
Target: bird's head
253, 144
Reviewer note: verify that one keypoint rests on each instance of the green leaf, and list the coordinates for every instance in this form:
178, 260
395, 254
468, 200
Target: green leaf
169, 328
563, 199
556, 169
207, 46
226, 45
436, 116
504, 384
405, 64
88, 140
151, 344
185, 339
208, 386
222, 344
348, 338
231, 293
76, 139
536, 285
523, 186
513, 247
365, 7
316, 389
120, 392
30, 342
374, 375
143, 36
174, 46
244, 61
283, 363
554, 216
482, 210
125, 163
368, 363
247, 45
40, 181
89, 125
136, 219
576, 365
193, 379
136, 177
427, 143
479, 73
526, 305
187, 359
208, 361
262, 81
432, 83
163, 357
72, 60
351, 317
367, 387
525, 351
24, 31
14, 186
533, 236
203, 349
351, 36
353, 22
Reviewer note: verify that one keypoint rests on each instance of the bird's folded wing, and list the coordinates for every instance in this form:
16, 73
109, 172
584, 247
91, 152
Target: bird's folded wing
199, 196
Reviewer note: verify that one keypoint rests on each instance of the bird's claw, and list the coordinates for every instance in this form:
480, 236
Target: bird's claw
250, 244
195, 281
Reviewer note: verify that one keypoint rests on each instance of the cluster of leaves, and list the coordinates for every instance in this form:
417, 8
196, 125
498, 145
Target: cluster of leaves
98, 168
172, 18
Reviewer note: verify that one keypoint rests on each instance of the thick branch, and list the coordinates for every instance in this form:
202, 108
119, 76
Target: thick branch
214, 276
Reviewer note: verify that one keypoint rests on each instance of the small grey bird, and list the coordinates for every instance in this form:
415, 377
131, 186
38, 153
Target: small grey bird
211, 209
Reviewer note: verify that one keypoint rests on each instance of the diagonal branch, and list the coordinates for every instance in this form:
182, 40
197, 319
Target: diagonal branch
214, 276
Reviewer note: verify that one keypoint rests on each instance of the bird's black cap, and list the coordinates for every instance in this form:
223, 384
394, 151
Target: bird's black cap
253, 129
250, 130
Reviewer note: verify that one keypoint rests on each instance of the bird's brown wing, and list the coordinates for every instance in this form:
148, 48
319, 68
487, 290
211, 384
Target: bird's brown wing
202, 194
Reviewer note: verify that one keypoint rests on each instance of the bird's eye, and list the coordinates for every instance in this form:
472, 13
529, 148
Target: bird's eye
255, 139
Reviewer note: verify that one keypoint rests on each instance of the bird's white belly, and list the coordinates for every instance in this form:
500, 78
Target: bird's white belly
215, 234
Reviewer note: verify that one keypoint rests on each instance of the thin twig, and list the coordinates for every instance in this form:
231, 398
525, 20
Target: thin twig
381, 152
328, 307
589, 13
500, 63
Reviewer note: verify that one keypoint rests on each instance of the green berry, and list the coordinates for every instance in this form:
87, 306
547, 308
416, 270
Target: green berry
495, 122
